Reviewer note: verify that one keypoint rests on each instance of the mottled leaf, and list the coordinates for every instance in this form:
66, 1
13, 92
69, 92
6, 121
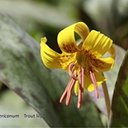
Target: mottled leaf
120, 98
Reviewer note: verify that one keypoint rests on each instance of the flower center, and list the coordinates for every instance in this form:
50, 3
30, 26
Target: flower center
77, 71
84, 58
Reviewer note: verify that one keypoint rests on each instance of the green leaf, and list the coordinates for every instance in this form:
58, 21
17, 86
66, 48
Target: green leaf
120, 98
22, 71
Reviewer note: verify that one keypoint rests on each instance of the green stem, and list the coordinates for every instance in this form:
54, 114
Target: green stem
107, 99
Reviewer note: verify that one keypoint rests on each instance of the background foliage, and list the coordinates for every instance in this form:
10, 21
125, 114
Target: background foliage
21, 69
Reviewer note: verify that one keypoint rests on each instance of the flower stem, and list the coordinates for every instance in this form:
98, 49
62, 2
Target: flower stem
107, 99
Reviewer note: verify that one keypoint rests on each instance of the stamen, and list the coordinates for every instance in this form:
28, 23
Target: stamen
93, 78
80, 99
69, 91
81, 88
82, 78
65, 92
70, 71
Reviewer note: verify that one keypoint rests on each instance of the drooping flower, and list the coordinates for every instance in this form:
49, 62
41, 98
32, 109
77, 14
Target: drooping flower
84, 60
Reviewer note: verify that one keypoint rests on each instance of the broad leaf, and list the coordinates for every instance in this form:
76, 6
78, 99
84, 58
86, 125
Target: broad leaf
120, 98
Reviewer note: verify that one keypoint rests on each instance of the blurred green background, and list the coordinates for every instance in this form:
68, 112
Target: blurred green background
46, 18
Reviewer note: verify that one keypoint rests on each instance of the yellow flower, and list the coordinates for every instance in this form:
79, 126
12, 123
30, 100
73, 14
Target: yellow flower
83, 59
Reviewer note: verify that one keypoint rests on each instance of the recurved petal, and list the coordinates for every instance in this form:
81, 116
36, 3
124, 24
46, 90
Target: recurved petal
97, 43
103, 64
49, 57
66, 37
88, 83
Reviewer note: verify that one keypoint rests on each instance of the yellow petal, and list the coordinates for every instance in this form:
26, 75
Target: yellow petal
97, 43
112, 52
88, 83
103, 64
49, 57
66, 59
66, 37
76, 88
